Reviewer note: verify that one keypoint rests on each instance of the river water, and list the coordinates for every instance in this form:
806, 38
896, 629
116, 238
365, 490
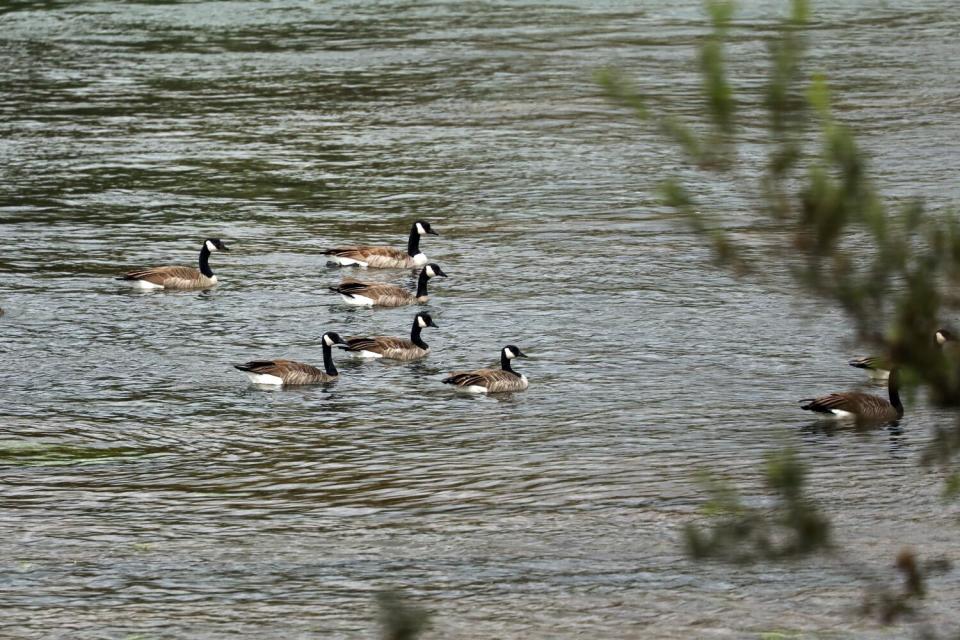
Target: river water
149, 492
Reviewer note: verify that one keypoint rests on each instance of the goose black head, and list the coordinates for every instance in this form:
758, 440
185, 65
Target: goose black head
512, 351
215, 244
424, 320
333, 339
422, 227
944, 335
433, 269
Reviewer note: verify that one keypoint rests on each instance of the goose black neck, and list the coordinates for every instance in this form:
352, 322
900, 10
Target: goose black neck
328, 360
415, 334
422, 283
505, 363
413, 244
205, 261
893, 388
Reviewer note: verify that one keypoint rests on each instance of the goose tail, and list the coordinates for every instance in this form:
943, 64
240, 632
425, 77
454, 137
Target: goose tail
340, 291
811, 405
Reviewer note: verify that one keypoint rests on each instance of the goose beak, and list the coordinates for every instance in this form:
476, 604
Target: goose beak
521, 354
433, 233
433, 324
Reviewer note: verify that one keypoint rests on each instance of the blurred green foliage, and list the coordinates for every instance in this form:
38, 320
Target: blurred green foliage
894, 270
400, 620
793, 527
887, 604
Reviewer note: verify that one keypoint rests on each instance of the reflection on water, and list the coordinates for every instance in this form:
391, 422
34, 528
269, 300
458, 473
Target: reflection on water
141, 470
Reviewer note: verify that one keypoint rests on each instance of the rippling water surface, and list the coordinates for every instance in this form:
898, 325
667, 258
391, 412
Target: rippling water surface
149, 491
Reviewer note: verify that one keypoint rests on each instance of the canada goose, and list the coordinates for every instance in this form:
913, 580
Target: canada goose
385, 257
290, 372
492, 380
376, 294
863, 407
878, 368
394, 348
179, 277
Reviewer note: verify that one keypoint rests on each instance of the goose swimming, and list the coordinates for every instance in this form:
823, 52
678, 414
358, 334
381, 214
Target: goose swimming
290, 372
492, 380
395, 348
179, 277
378, 294
878, 368
863, 407
385, 257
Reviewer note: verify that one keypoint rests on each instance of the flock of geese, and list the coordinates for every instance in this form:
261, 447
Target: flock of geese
356, 293
849, 405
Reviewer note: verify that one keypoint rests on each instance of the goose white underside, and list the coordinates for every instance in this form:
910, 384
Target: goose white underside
369, 354
145, 284
348, 262
263, 378
474, 388
839, 414
357, 301
420, 259
878, 374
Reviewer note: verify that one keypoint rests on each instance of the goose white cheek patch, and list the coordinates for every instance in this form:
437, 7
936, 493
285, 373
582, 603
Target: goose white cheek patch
510, 354
420, 229
210, 246
422, 323
327, 341
430, 272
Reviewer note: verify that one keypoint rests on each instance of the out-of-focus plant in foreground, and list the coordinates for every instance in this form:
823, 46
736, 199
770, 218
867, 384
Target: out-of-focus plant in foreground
793, 527
400, 620
894, 270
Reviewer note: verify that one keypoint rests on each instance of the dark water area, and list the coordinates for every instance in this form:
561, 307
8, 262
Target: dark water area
149, 491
